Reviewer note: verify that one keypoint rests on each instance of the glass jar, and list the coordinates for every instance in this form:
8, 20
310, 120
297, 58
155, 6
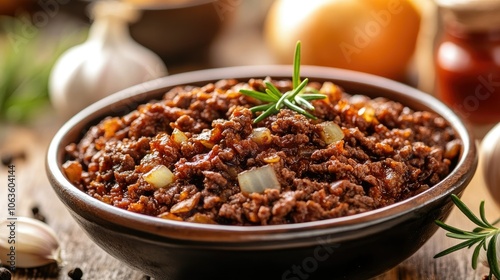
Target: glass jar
467, 59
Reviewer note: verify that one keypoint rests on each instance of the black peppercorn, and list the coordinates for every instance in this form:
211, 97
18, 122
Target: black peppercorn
75, 274
37, 215
9, 158
5, 274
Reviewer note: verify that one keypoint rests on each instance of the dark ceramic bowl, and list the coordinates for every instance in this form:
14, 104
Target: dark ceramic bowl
354, 247
182, 32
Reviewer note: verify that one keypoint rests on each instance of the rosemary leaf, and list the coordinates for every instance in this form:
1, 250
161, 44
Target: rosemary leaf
299, 110
298, 89
262, 107
280, 102
466, 235
273, 91
304, 103
449, 228
296, 66
457, 247
491, 253
475, 255
270, 111
483, 215
479, 237
294, 99
312, 96
258, 95
467, 212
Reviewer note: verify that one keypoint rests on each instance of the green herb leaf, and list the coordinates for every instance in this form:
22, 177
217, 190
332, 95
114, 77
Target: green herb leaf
258, 95
491, 253
475, 255
296, 66
457, 247
478, 237
467, 212
296, 99
273, 91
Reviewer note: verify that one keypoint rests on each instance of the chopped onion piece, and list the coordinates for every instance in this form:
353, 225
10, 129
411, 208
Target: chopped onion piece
159, 177
169, 216
186, 205
261, 135
259, 179
331, 132
205, 139
178, 136
367, 113
272, 159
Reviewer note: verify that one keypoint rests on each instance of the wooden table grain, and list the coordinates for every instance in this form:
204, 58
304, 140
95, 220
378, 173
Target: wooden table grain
33, 189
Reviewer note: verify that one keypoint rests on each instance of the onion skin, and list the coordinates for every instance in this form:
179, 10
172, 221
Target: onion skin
490, 156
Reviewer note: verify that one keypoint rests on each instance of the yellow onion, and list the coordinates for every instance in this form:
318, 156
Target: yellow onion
374, 36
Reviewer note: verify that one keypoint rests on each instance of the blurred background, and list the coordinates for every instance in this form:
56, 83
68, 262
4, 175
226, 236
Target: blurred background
391, 38
199, 34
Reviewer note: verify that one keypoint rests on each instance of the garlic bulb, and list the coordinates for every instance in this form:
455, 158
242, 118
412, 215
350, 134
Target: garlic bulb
109, 61
27, 242
490, 156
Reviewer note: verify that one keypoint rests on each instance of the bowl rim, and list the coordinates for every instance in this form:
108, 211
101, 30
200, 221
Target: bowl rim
168, 6
343, 227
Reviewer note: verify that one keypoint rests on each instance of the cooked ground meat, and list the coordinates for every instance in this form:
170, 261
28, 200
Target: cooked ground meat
204, 136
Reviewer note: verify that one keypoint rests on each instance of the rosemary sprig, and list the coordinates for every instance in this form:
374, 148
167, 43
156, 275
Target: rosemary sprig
297, 99
483, 237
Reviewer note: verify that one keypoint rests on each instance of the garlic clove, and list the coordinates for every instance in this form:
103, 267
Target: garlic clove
490, 156
32, 242
109, 61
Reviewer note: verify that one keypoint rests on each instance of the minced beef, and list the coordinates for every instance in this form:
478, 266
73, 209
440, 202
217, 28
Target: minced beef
204, 136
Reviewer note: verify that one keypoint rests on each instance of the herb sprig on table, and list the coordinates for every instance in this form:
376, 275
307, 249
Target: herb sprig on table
484, 237
297, 99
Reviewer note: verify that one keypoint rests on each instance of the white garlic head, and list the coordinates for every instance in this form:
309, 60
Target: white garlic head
490, 156
109, 61
26, 243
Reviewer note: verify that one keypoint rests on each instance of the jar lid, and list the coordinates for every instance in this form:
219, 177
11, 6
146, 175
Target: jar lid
473, 15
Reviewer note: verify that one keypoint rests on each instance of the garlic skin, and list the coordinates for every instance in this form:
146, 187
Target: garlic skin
109, 61
490, 156
36, 243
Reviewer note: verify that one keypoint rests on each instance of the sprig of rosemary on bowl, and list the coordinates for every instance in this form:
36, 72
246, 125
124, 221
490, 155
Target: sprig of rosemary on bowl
296, 99
484, 237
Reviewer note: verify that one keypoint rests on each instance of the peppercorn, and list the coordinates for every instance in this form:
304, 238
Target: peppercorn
37, 215
8, 159
75, 274
5, 274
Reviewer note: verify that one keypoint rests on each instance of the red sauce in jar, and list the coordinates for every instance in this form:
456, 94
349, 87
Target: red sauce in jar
468, 68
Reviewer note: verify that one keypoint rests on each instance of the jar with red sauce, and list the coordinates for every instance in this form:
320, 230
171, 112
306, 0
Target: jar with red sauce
467, 59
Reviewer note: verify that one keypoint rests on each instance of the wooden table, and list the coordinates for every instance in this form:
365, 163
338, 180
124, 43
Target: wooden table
33, 189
